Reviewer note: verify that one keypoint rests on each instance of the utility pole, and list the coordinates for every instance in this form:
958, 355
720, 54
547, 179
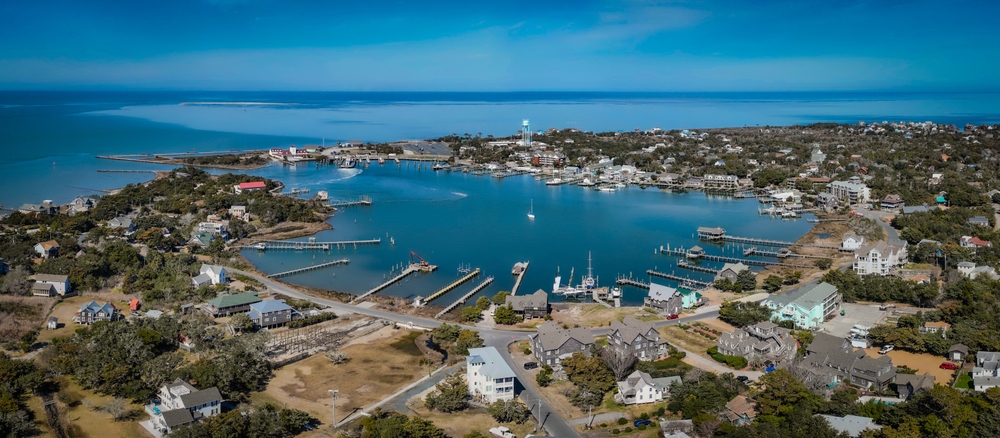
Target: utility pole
333, 393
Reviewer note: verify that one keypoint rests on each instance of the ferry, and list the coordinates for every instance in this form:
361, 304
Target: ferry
554, 182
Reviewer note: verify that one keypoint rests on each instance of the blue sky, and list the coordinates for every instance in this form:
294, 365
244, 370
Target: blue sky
501, 46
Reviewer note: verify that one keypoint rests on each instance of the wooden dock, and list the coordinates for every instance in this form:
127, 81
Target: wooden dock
629, 281
466, 297
451, 286
310, 268
759, 242
363, 201
520, 276
413, 267
125, 171
678, 278
724, 259
279, 245
685, 265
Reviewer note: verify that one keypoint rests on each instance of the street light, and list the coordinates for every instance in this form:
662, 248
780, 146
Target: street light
333, 394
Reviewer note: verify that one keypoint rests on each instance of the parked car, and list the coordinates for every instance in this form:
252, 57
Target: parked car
743, 379
642, 423
673, 316
886, 349
949, 366
530, 365
502, 432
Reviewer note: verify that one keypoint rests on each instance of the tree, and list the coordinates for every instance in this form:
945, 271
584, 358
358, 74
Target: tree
783, 393
742, 314
823, 264
592, 379
117, 408
241, 322
471, 313
450, 395
505, 315
747, 280
619, 362
467, 339
544, 377
483, 303
512, 411
501, 298
773, 283
15, 282
445, 333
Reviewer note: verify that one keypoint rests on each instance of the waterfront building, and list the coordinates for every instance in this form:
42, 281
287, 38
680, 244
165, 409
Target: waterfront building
880, 258
271, 313
708, 233
807, 307
826, 201
548, 158
488, 376
229, 304
764, 340
249, 187
638, 339
552, 343
730, 271
852, 241
852, 191
666, 300
720, 181
531, 306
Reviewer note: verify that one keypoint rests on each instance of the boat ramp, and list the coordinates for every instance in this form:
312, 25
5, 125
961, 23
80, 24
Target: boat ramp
309, 268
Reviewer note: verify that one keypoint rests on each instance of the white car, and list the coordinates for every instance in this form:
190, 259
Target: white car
886, 349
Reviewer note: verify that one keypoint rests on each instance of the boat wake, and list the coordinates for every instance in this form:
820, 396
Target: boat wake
237, 103
460, 194
344, 174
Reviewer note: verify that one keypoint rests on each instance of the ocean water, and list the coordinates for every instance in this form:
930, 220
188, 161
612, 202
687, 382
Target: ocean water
49, 141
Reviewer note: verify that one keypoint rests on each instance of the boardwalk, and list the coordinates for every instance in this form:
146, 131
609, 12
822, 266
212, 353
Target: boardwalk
363, 201
466, 297
685, 265
310, 268
279, 245
453, 285
720, 234
724, 259
409, 270
678, 278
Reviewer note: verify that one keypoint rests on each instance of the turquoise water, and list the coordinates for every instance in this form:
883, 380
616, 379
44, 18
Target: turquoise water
454, 219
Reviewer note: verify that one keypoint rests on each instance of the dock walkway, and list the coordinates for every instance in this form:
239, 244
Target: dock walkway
273, 245
724, 259
678, 278
520, 276
363, 201
414, 267
310, 268
453, 285
466, 297
685, 265
629, 281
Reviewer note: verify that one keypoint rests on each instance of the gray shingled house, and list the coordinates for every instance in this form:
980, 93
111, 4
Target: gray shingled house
531, 306
637, 338
552, 343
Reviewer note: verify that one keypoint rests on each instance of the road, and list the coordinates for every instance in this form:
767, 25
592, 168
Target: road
890, 232
549, 419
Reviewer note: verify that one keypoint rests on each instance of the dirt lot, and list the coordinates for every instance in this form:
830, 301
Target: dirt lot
65, 311
923, 363
19, 315
687, 340
86, 422
596, 315
380, 364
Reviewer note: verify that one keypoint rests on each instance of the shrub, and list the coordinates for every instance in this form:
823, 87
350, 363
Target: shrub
604, 424
641, 427
644, 416
615, 431
622, 421
627, 430
315, 319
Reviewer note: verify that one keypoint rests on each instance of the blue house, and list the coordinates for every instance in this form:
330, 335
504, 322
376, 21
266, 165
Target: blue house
271, 313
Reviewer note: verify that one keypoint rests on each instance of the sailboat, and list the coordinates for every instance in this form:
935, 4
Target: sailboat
531, 211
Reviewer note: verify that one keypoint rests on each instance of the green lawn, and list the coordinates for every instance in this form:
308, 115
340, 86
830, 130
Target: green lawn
964, 381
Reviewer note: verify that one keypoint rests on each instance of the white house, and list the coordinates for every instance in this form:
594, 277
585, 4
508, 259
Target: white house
970, 270
986, 373
852, 241
180, 403
210, 274
488, 376
880, 258
58, 282
640, 388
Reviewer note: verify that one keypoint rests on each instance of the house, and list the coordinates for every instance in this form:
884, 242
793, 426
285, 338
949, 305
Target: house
47, 249
986, 373
637, 389
210, 274
689, 298
852, 191
547, 158
909, 385
666, 300
880, 258
46, 207
980, 221
134, 304
229, 304
202, 239
833, 360
214, 227
852, 241
531, 306
918, 209
671, 427
249, 187
42, 290
239, 212
92, 312
968, 242
852, 425
892, 202
60, 283
827, 201
711, 233
179, 403
764, 340
695, 252
488, 376
80, 204
730, 271
271, 313
807, 306
52, 323
635, 338
935, 327
122, 223
724, 181
740, 411
552, 343
957, 352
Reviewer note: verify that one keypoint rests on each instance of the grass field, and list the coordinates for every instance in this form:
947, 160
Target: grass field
378, 367
596, 315
964, 381
86, 422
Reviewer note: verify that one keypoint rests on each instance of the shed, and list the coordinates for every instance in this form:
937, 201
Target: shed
958, 352
53, 323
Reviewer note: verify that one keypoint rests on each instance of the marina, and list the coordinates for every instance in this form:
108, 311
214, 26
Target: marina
410, 269
724, 259
465, 298
309, 268
447, 288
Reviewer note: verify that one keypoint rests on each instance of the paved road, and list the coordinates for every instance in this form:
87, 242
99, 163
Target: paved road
890, 232
551, 420
399, 404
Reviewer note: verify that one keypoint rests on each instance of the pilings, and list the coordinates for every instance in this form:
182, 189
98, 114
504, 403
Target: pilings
273, 245
677, 278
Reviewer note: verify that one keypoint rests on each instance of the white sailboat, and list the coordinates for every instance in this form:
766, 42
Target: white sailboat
531, 210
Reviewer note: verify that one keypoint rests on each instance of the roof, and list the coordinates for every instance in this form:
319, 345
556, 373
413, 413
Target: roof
252, 185
41, 286
539, 299
716, 230
633, 381
807, 296
939, 324
94, 308
234, 300
201, 279
630, 328
825, 343
494, 366
740, 406
909, 209
969, 265
49, 244
667, 382
917, 381
960, 348
892, 198
268, 306
660, 292
884, 249
552, 336
850, 424
47, 278
735, 267
214, 270
205, 396
177, 417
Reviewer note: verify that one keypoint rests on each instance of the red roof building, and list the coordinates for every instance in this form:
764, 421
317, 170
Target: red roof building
974, 242
249, 186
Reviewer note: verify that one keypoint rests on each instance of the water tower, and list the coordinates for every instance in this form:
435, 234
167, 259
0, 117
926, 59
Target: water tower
525, 133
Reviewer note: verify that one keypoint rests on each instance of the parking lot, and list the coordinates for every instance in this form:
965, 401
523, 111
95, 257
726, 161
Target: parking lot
862, 314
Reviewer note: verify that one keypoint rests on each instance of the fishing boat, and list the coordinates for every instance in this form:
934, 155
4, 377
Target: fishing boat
554, 182
584, 288
347, 163
441, 166
607, 189
616, 292
587, 183
531, 210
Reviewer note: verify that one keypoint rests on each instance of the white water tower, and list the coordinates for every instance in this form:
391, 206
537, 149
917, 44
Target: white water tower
525, 133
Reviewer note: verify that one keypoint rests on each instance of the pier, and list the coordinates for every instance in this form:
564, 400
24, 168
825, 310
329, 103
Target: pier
125, 171
520, 275
451, 286
363, 201
678, 278
706, 233
466, 297
413, 267
629, 281
685, 265
273, 245
310, 268
724, 259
